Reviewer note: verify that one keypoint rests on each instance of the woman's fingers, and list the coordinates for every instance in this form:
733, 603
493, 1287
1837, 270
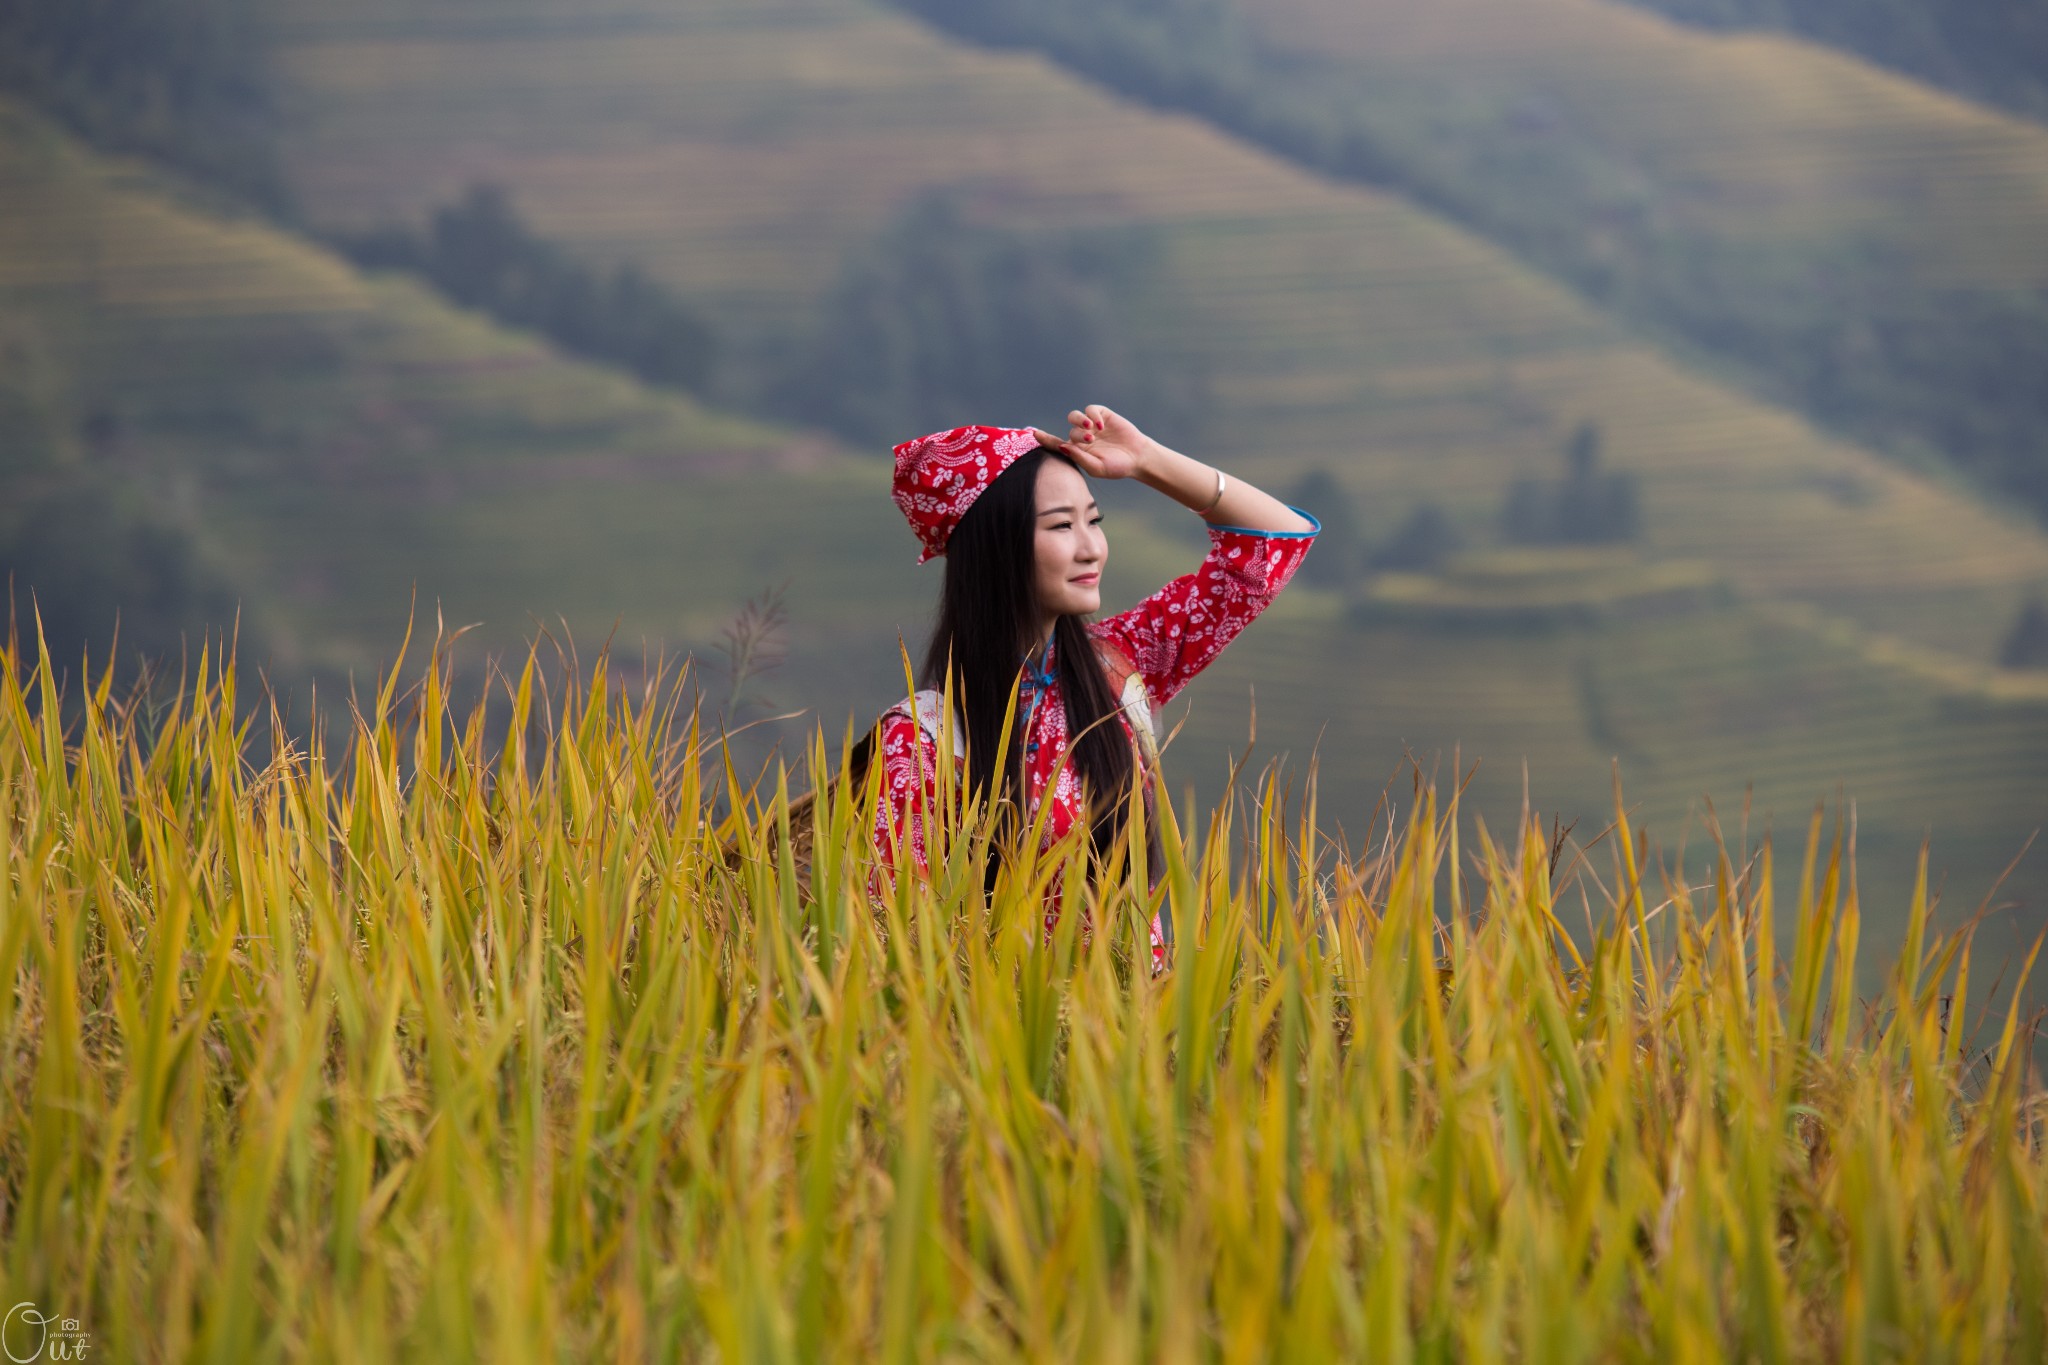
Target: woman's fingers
1084, 426
1088, 460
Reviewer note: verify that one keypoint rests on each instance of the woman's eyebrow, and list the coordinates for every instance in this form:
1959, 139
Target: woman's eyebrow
1064, 510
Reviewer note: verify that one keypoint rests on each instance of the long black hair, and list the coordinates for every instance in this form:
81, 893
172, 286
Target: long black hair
987, 615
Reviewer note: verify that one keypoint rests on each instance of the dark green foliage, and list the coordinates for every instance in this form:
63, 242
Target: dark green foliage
1588, 506
95, 565
1836, 330
1339, 554
180, 80
1582, 451
29, 446
81, 539
94, 558
1993, 50
1419, 545
947, 320
480, 253
1196, 55
2026, 645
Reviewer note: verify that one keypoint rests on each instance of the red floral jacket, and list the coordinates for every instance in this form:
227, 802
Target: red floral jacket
1164, 641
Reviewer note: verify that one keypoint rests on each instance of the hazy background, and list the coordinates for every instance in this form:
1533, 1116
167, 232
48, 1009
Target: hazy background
1671, 377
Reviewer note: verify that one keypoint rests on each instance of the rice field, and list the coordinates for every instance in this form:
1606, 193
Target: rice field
544, 1033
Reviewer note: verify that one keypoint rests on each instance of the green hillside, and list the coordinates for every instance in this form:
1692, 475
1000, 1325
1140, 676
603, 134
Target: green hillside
330, 440
1754, 140
183, 82
328, 443
1842, 240
744, 150
1851, 243
1991, 50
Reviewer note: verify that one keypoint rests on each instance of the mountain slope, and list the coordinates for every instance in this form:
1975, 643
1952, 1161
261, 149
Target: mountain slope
1757, 139
1990, 50
332, 441
1889, 287
745, 150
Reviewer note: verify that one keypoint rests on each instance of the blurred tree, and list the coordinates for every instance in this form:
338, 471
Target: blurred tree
89, 562
946, 320
91, 557
182, 80
32, 438
2026, 644
1588, 506
482, 254
80, 543
1419, 545
1339, 554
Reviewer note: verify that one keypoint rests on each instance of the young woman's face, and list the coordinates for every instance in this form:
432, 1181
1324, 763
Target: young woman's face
1071, 548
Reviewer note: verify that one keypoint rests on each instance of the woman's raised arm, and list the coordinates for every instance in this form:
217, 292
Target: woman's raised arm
1107, 445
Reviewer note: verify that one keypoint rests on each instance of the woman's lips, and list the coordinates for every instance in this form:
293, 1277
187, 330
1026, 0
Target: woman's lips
1087, 580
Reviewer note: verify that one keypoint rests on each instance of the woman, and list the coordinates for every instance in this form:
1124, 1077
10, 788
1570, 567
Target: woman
1010, 509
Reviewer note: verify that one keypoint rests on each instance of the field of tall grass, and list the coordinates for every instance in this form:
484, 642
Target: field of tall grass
539, 1031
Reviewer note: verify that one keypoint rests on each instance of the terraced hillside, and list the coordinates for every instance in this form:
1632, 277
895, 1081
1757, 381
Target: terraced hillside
1839, 319
1753, 139
334, 440
743, 150
1994, 52
1851, 243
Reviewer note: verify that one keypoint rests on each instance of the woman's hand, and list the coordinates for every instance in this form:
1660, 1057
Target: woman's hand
1107, 446
1103, 443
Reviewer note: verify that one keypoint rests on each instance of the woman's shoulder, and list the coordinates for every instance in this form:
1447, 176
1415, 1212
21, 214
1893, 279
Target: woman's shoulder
925, 710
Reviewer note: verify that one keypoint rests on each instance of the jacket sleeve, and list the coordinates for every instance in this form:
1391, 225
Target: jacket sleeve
1173, 634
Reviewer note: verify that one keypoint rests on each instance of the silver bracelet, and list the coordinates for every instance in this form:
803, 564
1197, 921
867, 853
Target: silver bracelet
1217, 501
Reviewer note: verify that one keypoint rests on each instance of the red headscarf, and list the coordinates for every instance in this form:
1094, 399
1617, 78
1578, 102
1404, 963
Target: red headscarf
938, 477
